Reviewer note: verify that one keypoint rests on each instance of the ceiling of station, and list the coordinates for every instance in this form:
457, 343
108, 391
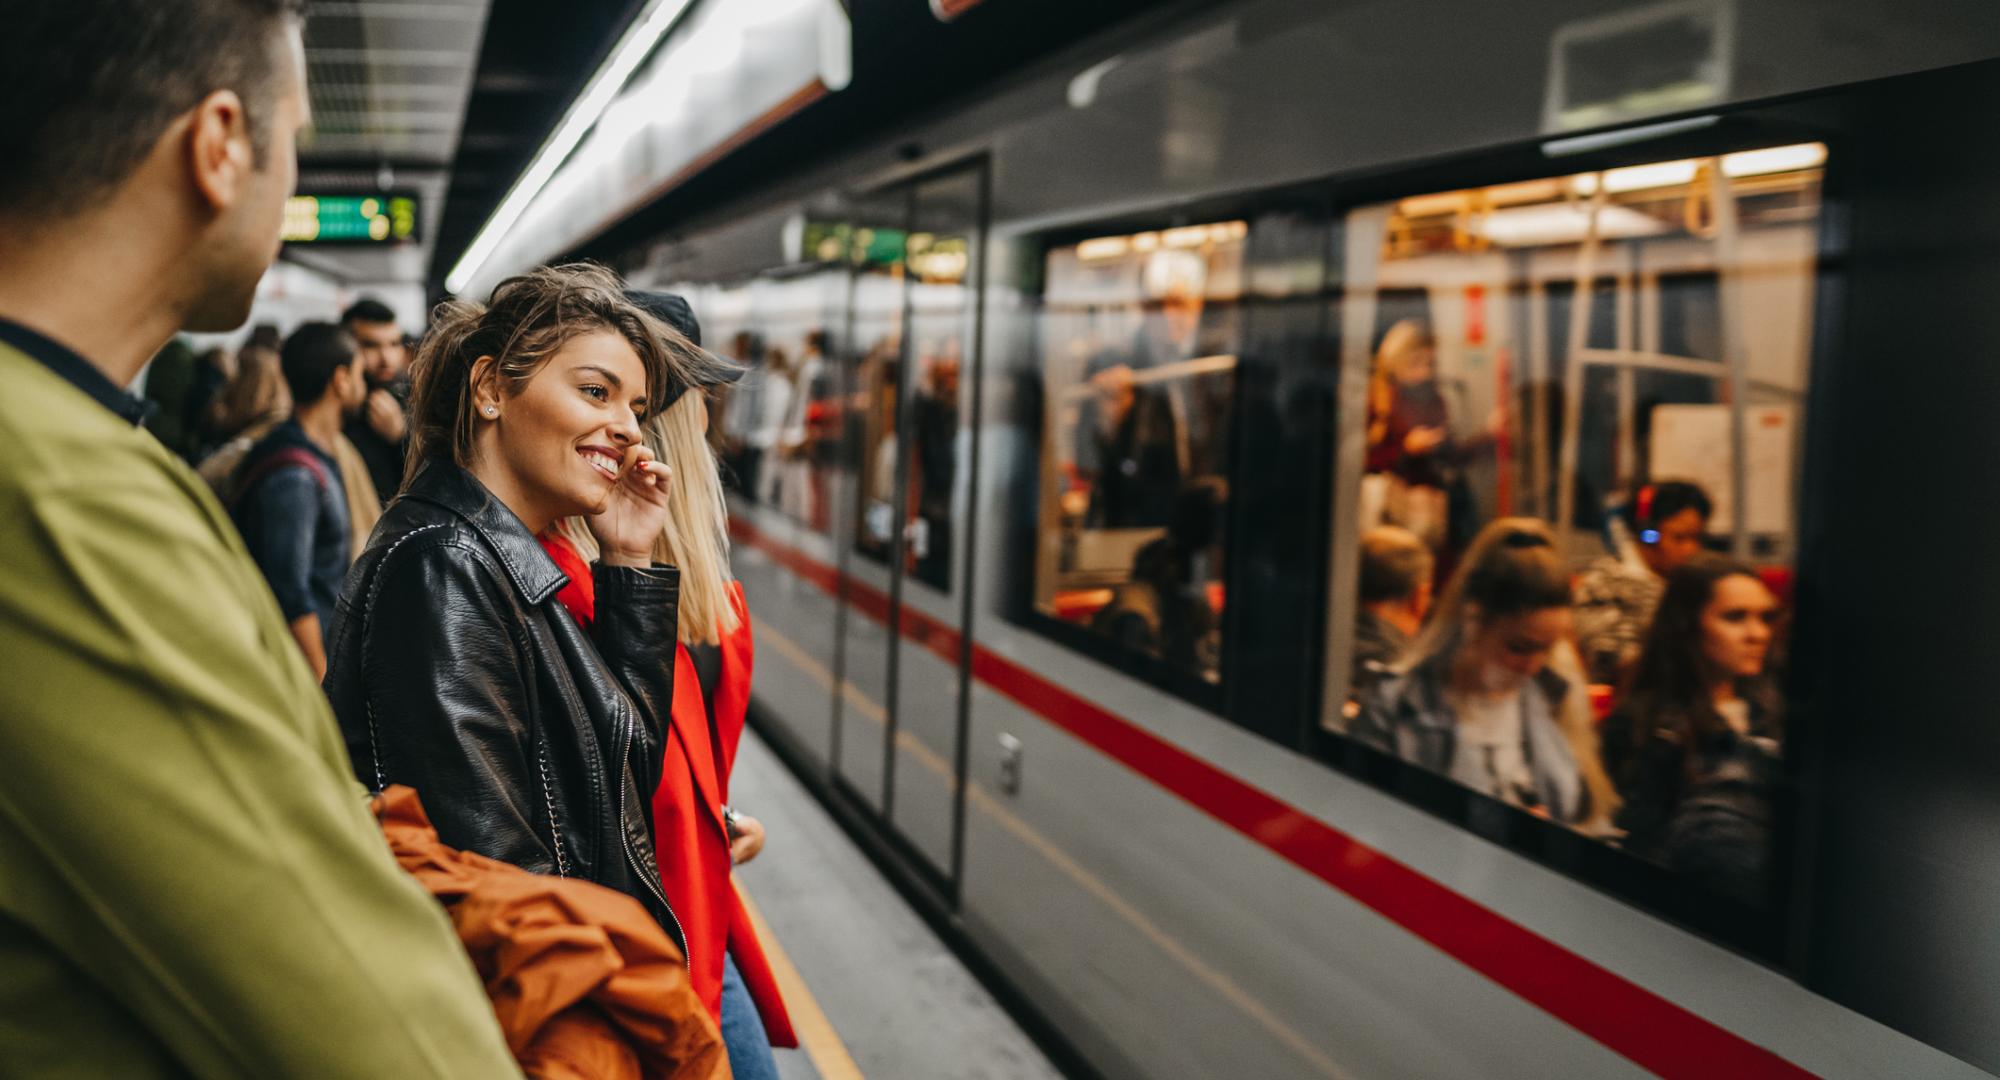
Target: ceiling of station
389, 78
388, 81
537, 56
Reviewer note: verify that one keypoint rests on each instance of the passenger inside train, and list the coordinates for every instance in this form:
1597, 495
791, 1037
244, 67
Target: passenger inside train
1669, 719
1139, 370
1694, 748
1617, 593
1396, 592
1490, 692
1416, 464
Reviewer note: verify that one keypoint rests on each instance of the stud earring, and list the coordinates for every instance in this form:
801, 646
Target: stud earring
490, 410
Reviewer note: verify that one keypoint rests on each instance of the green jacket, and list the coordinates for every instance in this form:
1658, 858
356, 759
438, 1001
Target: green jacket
190, 881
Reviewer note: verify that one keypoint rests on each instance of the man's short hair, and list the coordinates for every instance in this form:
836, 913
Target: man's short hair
310, 357
1394, 564
368, 310
1655, 503
88, 86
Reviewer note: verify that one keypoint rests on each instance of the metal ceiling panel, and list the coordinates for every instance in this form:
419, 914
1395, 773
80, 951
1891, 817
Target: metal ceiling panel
389, 79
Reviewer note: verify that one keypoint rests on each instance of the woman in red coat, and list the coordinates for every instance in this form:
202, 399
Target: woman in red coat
698, 836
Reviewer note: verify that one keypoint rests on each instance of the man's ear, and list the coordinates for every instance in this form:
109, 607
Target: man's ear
218, 147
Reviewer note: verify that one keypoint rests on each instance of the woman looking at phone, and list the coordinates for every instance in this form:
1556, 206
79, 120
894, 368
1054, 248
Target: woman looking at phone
453, 667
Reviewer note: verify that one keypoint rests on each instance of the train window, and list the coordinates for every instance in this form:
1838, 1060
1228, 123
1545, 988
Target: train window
1574, 498
1138, 368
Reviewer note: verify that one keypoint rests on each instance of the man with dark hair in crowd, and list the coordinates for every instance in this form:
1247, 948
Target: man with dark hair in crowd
380, 430
1659, 529
1396, 571
191, 884
288, 499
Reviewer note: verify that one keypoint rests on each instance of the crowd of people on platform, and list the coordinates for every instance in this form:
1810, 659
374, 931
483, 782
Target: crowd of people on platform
368, 714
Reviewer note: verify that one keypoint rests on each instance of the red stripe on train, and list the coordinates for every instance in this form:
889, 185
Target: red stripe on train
1653, 1032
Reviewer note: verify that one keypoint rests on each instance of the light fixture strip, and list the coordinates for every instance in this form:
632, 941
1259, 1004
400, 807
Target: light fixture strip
646, 31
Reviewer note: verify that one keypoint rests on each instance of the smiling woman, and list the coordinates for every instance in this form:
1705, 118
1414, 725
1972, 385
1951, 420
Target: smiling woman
454, 669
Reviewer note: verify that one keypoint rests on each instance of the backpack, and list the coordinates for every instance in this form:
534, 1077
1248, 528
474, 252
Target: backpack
241, 485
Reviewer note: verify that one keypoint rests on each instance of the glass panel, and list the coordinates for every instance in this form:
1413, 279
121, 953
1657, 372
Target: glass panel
775, 432
1576, 514
942, 246
865, 420
772, 456
1139, 372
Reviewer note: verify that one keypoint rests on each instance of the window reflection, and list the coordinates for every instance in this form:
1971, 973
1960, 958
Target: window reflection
776, 426
1582, 420
1139, 370
939, 303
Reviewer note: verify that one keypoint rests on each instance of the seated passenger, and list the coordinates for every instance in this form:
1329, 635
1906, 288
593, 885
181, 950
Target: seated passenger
1490, 693
1616, 594
1694, 750
1164, 609
1396, 572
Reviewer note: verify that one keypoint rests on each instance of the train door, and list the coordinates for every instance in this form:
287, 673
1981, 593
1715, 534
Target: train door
871, 358
911, 373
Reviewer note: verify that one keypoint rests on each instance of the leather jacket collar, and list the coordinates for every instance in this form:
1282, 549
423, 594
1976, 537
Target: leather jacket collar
447, 485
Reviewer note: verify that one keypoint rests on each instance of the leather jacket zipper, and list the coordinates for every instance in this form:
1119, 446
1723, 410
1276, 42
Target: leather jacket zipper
650, 878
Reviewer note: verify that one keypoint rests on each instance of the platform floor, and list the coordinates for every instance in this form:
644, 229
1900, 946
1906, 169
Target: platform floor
871, 990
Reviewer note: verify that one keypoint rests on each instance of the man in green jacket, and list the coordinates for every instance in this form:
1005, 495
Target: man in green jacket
190, 881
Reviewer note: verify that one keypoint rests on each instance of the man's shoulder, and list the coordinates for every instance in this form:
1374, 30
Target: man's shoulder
282, 462
53, 436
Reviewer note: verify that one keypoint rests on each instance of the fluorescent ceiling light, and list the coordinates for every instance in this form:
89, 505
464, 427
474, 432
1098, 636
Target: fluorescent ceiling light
1777, 159
654, 23
1562, 223
1105, 247
1187, 236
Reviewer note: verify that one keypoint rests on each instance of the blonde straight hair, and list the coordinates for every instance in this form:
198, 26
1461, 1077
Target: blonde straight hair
696, 538
1513, 566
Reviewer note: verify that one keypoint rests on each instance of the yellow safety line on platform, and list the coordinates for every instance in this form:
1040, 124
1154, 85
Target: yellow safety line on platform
816, 1034
1091, 883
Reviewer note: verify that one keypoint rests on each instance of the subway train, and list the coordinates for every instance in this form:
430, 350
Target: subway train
1061, 436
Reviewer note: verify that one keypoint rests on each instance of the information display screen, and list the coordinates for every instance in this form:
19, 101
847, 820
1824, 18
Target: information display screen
350, 219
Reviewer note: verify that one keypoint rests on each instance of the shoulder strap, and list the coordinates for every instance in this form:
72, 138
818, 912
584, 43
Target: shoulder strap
283, 457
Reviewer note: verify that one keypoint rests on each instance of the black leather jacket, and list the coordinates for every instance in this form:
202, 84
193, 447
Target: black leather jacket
453, 669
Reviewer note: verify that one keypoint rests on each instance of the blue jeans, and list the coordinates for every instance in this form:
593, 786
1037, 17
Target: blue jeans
743, 1030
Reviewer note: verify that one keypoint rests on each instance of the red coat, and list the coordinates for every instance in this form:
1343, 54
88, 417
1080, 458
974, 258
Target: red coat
691, 840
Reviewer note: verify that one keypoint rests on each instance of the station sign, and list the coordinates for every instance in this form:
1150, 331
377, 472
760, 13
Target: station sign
351, 219
841, 242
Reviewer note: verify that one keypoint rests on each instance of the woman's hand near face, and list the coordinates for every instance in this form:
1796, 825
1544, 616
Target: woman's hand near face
637, 513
